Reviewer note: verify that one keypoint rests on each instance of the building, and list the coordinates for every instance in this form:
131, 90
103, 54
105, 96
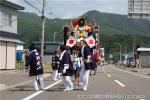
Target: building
144, 56
8, 34
49, 47
139, 9
20, 45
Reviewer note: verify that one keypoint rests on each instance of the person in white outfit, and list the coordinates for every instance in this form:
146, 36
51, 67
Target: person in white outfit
65, 61
86, 65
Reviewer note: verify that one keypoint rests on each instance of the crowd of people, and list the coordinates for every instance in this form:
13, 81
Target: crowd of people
65, 64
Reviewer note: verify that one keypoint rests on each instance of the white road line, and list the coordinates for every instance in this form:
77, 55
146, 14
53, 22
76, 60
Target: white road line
104, 70
22, 83
109, 75
121, 84
39, 92
131, 73
141, 99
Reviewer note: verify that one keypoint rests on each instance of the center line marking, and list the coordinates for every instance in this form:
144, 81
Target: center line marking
109, 75
104, 70
39, 92
121, 84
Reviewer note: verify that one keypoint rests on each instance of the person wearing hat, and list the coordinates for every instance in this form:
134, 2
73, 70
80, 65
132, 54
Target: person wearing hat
86, 65
35, 68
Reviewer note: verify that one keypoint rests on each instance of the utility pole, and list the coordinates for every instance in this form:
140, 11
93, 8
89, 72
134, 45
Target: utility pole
43, 28
120, 50
54, 36
133, 45
125, 49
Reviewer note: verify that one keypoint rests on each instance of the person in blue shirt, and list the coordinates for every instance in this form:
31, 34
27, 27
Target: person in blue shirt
77, 67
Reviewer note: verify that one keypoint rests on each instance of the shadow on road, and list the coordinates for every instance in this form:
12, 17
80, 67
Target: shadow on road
22, 88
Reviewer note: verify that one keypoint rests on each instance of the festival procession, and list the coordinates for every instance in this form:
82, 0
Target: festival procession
76, 59
74, 49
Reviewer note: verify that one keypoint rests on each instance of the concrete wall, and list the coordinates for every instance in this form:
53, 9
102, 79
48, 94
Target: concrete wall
144, 58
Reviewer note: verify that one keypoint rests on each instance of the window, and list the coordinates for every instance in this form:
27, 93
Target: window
0, 19
6, 19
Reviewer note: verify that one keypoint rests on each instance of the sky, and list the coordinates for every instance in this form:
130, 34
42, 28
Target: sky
74, 8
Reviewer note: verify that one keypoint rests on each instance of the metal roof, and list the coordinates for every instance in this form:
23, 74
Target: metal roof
11, 5
143, 49
48, 43
20, 42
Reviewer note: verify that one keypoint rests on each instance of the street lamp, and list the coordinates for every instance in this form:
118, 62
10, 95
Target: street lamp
55, 36
120, 49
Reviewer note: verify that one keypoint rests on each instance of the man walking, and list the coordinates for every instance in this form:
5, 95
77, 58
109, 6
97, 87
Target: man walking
86, 65
35, 68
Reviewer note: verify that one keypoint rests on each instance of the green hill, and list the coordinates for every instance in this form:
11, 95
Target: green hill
29, 26
119, 24
113, 28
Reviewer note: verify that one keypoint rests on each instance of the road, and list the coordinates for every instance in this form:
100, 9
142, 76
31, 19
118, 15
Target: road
110, 83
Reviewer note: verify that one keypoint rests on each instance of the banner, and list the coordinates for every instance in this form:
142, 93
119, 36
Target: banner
71, 41
90, 41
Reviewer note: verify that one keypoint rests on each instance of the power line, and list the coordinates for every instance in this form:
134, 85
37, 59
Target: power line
39, 1
58, 6
32, 6
46, 9
50, 13
54, 7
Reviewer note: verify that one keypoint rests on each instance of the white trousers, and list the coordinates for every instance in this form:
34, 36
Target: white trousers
67, 82
84, 77
54, 75
38, 82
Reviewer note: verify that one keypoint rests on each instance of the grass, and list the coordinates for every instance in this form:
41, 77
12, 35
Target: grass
20, 66
47, 67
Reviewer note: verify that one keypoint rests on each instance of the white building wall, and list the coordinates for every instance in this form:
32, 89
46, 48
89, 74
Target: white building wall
145, 59
3, 55
11, 55
7, 55
8, 19
19, 47
8, 23
139, 9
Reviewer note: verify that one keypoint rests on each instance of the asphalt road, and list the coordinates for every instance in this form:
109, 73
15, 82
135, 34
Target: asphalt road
109, 83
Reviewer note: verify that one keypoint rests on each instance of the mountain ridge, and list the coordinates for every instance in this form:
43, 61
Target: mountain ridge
113, 28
